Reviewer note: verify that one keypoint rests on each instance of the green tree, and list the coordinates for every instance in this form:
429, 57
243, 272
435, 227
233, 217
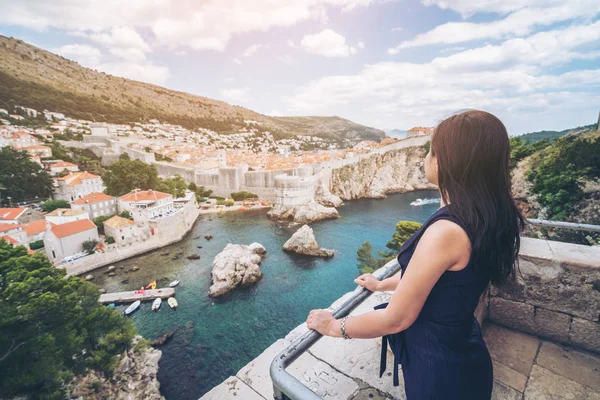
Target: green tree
90, 245
238, 196
46, 321
51, 205
367, 263
99, 222
404, 230
22, 178
192, 186
126, 175
175, 186
126, 214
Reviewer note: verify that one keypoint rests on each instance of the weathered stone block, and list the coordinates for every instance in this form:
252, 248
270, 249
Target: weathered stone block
511, 348
545, 384
231, 388
552, 324
585, 334
511, 313
503, 392
581, 367
509, 376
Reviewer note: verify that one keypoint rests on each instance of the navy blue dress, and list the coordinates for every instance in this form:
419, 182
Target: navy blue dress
443, 355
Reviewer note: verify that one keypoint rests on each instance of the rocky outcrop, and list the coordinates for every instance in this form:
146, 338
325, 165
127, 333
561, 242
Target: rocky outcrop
236, 265
303, 213
133, 378
303, 242
395, 171
324, 197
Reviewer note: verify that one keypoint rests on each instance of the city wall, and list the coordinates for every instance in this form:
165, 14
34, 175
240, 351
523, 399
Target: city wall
170, 230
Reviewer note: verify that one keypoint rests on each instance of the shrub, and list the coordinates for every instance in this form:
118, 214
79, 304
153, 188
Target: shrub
38, 244
238, 196
51, 205
90, 245
109, 240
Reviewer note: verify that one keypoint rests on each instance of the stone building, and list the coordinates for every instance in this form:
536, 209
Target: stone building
20, 215
96, 204
146, 205
76, 185
121, 229
66, 240
66, 215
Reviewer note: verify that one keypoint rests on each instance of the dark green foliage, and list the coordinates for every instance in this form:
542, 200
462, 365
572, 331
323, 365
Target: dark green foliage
557, 173
192, 186
519, 149
46, 320
367, 263
22, 178
84, 158
160, 157
51, 205
239, 196
175, 186
200, 191
90, 245
126, 214
99, 222
110, 240
38, 244
551, 135
427, 146
126, 175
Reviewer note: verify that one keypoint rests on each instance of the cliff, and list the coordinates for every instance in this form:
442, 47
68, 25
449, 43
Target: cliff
396, 171
133, 378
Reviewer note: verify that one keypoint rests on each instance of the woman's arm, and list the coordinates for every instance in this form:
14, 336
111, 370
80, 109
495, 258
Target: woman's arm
442, 245
389, 284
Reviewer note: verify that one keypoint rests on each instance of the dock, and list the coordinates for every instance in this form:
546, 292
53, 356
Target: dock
131, 296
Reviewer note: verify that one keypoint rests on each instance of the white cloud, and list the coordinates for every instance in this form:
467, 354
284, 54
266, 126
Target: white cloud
253, 49
361, 44
196, 24
521, 22
286, 59
510, 79
82, 53
470, 7
397, 29
291, 43
237, 61
239, 95
327, 43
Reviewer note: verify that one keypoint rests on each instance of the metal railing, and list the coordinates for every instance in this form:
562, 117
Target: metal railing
286, 387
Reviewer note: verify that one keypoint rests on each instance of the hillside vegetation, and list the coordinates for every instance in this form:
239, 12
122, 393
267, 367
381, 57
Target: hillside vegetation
36, 78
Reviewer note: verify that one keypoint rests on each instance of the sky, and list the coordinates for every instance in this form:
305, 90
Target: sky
390, 64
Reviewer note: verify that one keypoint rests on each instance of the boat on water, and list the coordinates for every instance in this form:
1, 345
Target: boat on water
172, 303
134, 306
174, 283
417, 202
156, 304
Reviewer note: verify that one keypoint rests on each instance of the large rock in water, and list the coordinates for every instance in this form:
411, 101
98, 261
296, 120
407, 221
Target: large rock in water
236, 265
303, 213
133, 378
304, 242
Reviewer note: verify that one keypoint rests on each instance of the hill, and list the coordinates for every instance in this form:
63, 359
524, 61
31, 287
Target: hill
39, 79
551, 135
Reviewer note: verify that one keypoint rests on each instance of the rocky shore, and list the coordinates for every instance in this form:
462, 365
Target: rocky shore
236, 265
303, 213
303, 241
133, 378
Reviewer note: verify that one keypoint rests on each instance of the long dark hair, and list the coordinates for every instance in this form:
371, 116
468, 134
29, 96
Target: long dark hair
473, 151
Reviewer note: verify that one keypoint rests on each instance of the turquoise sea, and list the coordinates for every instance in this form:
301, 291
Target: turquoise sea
213, 341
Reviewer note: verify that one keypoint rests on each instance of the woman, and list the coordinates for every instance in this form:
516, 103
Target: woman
471, 240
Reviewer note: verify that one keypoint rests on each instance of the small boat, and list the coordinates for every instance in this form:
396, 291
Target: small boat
418, 202
172, 303
156, 304
134, 306
174, 283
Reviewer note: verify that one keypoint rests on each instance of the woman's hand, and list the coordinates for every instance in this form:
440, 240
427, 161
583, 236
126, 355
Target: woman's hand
368, 281
321, 321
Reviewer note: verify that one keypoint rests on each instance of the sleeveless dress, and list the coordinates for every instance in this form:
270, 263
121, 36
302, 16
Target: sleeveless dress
443, 355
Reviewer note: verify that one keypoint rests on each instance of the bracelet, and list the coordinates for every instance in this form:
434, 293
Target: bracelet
343, 328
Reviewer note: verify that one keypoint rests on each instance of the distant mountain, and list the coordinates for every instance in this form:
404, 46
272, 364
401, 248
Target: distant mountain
396, 133
39, 79
541, 135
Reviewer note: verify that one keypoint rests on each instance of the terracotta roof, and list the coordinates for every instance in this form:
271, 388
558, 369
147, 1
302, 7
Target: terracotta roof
9, 227
75, 178
143, 195
62, 164
9, 239
118, 222
11, 213
66, 212
35, 227
71, 228
93, 198
37, 147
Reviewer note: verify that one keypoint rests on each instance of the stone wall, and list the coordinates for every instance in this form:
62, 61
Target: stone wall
170, 230
556, 296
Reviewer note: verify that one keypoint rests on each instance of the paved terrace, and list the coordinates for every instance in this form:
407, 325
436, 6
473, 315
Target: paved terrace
542, 331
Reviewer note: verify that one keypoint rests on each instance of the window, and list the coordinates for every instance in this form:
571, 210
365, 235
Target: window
53, 254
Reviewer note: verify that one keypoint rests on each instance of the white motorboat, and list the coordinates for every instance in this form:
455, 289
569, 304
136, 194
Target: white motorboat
417, 202
156, 304
134, 306
172, 303
174, 283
